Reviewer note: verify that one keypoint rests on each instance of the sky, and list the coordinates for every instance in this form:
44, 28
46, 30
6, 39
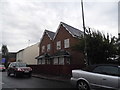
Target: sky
22, 22
119, 17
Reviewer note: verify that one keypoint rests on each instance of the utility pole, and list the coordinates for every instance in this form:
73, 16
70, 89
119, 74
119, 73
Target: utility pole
84, 28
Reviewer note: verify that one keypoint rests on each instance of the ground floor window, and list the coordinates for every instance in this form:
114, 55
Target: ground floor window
67, 60
61, 61
40, 61
43, 61
58, 61
48, 61
55, 61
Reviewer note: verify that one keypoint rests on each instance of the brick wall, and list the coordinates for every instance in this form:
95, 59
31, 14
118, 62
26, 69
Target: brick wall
45, 41
54, 69
76, 57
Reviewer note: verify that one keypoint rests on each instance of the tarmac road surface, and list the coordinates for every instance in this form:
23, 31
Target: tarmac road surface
25, 82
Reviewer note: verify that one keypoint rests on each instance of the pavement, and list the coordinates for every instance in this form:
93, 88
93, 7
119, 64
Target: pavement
52, 77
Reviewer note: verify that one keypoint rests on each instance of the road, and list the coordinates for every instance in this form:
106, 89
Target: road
24, 82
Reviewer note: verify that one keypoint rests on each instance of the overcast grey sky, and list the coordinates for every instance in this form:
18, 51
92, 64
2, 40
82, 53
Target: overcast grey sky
24, 20
119, 17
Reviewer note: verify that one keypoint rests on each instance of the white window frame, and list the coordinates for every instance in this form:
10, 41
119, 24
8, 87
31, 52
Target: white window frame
61, 61
55, 61
43, 61
58, 45
67, 60
43, 49
66, 43
48, 47
40, 61
48, 61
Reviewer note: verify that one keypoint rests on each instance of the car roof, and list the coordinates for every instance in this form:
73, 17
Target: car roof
18, 62
91, 67
106, 65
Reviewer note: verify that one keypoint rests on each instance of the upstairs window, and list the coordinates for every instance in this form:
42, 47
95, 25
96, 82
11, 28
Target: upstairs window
48, 47
66, 43
58, 45
43, 48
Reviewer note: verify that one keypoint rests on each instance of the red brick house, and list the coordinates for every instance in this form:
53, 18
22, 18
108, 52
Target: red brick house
65, 37
55, 48
46, 48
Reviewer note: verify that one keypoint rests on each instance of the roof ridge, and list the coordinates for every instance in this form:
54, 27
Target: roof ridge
49, 31
70, 26
50, 34
72, 30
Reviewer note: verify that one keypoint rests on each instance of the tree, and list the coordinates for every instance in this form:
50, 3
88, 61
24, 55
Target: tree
118, 49
5, 54
98, 47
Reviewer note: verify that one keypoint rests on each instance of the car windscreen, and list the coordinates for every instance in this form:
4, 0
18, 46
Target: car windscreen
20, 65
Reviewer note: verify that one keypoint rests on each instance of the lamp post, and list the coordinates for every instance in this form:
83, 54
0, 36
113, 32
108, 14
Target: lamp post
84, 28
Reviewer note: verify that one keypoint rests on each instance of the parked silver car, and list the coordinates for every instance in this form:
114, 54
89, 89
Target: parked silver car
102, 77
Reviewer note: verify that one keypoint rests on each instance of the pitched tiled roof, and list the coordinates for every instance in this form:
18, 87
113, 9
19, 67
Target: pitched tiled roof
50, 34
74, 31
61, 53
45, 55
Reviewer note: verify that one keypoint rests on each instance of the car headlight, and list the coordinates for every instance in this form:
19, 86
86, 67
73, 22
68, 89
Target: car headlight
19, 69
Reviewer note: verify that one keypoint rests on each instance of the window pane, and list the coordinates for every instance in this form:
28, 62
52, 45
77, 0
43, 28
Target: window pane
55, 61
61, 61
48, 47
58, 45
98, 69
48, 61
43, 61
110, 70
40, 61
66, 43
43, 48
67, 60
